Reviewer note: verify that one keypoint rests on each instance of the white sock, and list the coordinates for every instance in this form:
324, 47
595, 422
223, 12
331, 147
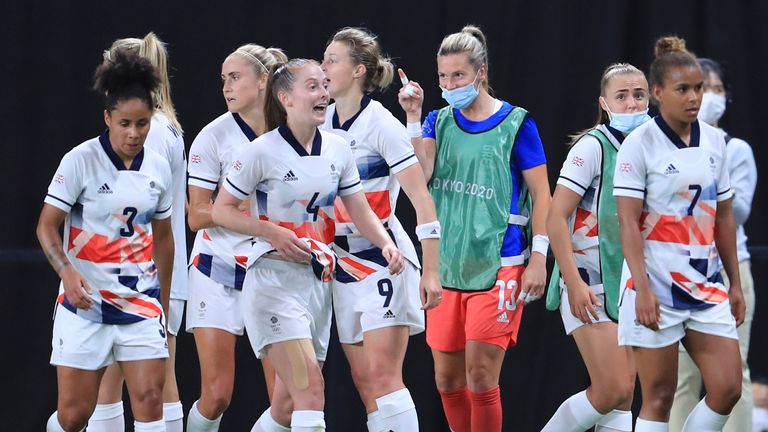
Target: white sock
197, 422
266, 423
615, 421
374, 422
703, 419
307, 421
53, 423
397, 412
173, 414
642, 425
153, 426
107, 418
576, 414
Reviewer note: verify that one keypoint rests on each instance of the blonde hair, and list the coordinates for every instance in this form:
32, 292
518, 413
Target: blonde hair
469, 40
154, 50
263, 59
612, 71
281, 78
364, 49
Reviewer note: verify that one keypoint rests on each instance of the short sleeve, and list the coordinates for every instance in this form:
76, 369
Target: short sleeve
582, 165
428, 127
528, 151
203, 166
724, 191
349, 181
165, 202
393, 144
246, 172
66, 185
630, 171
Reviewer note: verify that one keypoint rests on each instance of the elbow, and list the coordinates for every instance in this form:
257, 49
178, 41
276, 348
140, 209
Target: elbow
194, 223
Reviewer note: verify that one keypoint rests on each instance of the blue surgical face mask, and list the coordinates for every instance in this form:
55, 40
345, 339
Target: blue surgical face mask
627, 122
462, 97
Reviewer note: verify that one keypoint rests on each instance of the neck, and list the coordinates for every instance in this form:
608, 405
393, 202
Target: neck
348, 104
481, 108
304, 133
254, 118
127, 160
681, 128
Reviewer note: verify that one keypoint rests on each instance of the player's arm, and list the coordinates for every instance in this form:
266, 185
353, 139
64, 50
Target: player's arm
646, 305
200, 206
76, 288
162, 255
535, 274
725, 240
582, 300
411, 98
226, 212
371, 228
412, 181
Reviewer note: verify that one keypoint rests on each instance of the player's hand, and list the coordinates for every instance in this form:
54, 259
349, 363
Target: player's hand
533, 279
411, 99
647, 309
394, 259
76, 288
431, 290
584, 302
738, 305
288, 244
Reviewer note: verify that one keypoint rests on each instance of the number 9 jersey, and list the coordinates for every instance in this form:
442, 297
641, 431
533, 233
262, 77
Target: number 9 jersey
680, 186
294, 189
108, 231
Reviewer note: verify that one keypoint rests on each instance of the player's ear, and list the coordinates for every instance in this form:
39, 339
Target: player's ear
107, 117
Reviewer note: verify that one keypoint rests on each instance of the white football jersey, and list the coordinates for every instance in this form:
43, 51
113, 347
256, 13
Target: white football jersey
581, 173
166, 140
292, 188
108, 230
381, 148
219, 253
680, 186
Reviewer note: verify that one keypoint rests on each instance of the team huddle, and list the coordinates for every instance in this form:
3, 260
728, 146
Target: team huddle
293, 199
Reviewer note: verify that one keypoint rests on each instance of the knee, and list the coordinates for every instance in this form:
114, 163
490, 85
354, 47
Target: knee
481, 376
219, 395
313, 397
151, 398
362, 383
659, 400
730, 394
450, 380
383, 377
612, 395
73, 419
281, 410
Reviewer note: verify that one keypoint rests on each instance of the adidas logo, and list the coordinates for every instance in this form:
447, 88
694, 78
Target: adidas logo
389, 314
434, 232
671, 170
290, 176
104, 189
503, 318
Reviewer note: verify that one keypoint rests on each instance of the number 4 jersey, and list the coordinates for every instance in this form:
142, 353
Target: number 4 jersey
108, 231
680, 186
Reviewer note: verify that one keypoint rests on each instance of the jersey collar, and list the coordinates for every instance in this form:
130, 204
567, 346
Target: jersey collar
116, 161
674, 137
348, 124
617, 134
287, 135
247, 131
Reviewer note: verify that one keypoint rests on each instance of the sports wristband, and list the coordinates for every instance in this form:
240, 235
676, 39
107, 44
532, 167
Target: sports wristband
540, 244
429, 230
414, 130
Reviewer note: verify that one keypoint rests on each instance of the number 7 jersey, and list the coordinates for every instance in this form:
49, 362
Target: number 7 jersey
680, 186
108, 230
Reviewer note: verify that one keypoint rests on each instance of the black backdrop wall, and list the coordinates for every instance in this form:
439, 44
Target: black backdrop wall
545, 56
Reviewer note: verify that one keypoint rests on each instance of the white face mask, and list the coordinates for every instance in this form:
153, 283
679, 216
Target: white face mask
712, 108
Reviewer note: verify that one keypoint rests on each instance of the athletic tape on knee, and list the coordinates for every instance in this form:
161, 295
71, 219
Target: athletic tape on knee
394, 403
107, 411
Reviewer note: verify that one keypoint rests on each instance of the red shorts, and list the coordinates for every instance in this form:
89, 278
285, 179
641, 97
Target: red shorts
487, 316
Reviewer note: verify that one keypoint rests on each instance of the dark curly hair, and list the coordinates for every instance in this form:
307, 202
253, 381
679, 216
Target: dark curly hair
125, 75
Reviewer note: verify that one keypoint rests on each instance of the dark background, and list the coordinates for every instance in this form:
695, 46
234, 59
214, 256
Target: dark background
544, 55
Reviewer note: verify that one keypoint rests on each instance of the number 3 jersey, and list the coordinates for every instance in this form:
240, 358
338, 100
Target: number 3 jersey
680, 186
108, 231
293, 188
